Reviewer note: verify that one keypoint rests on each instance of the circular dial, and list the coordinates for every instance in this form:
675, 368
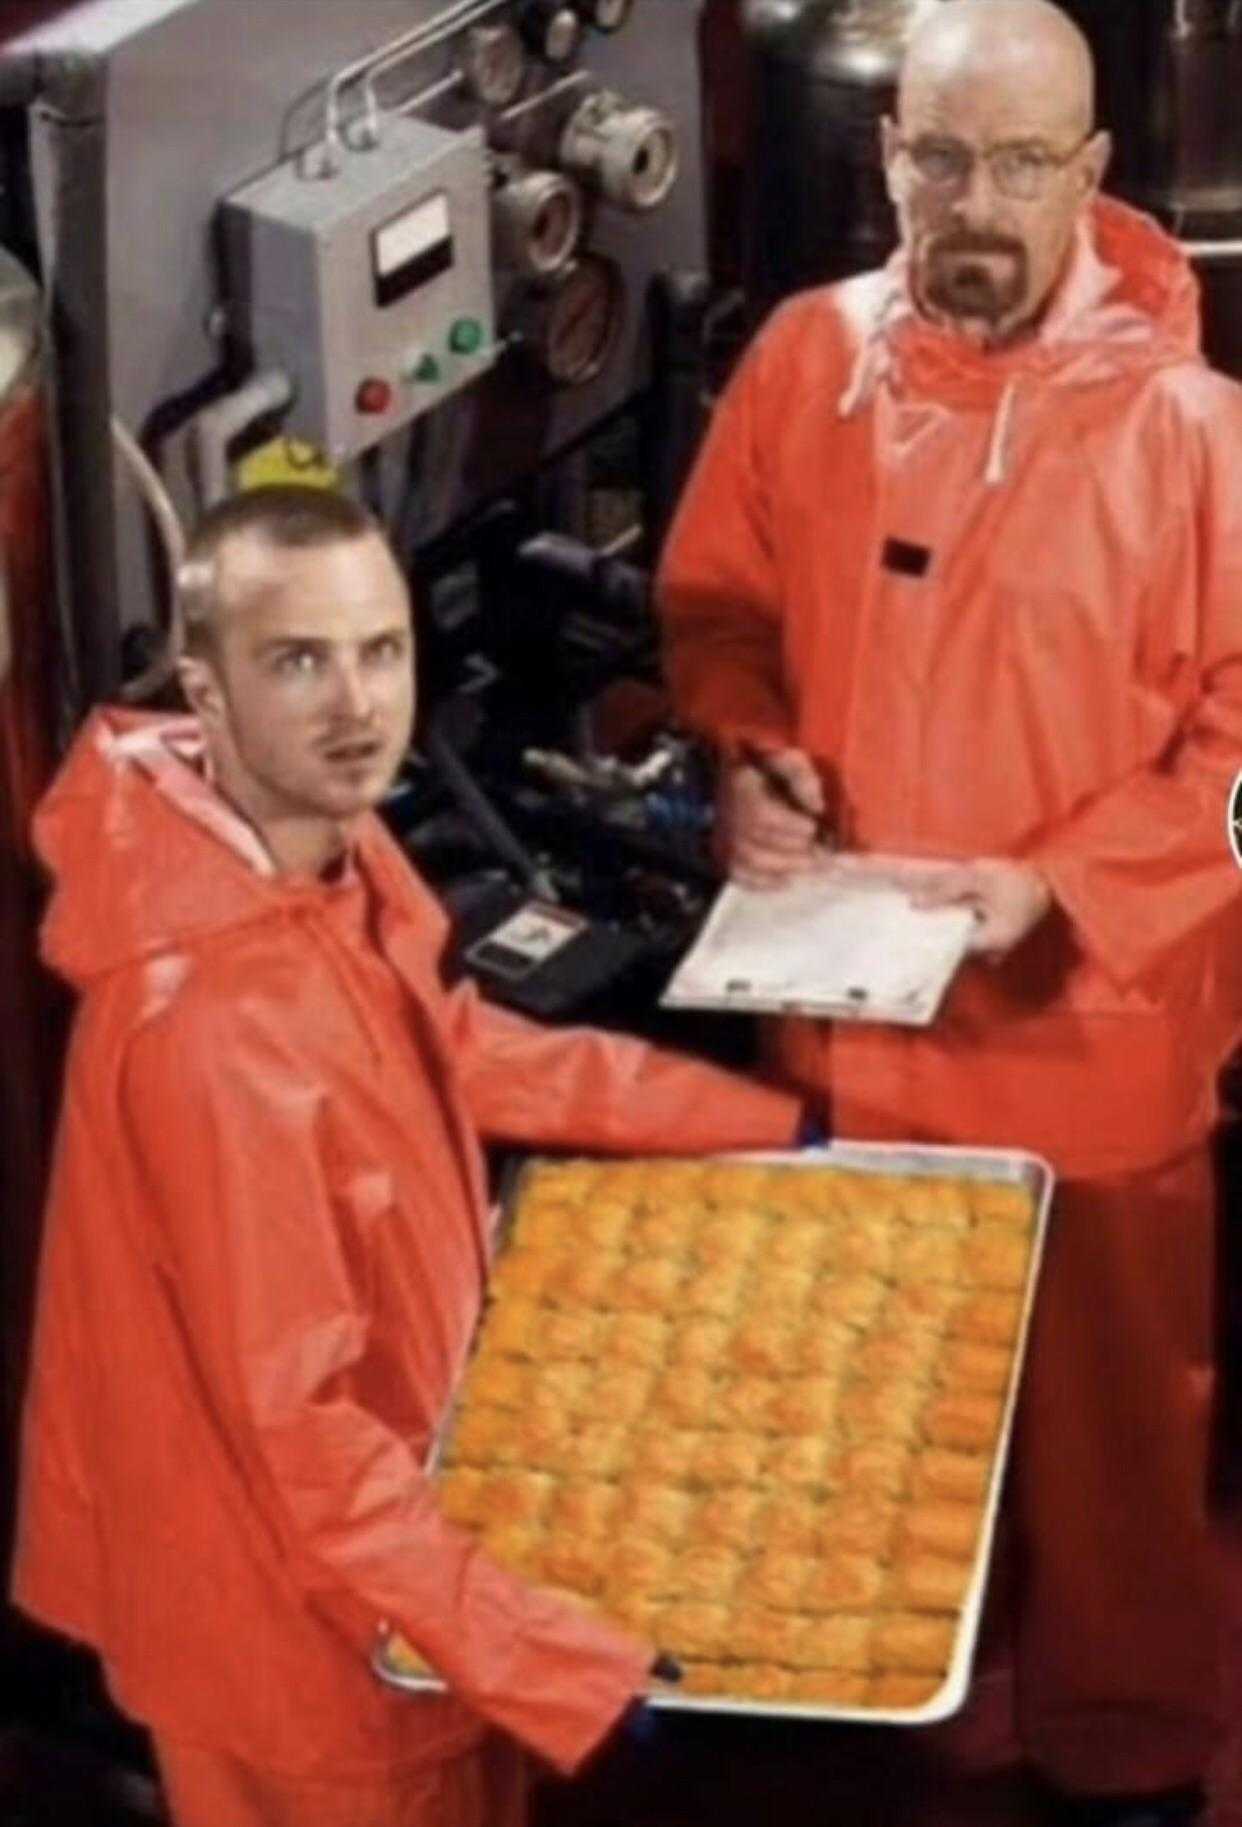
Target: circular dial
538, 218
581, 320
605, 15
652, 166
554, 228
629, 153
494, 64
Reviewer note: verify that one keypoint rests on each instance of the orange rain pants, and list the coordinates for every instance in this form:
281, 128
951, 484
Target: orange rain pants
1117, 1645
487, 1788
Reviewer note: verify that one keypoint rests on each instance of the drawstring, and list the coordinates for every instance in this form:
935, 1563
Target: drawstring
994, 474
863, 376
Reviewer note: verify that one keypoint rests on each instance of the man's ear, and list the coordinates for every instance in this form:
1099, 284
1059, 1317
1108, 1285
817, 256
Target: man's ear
1097, 156
200, 686
889, 140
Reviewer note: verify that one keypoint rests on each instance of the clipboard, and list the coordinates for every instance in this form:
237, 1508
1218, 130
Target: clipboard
844, 944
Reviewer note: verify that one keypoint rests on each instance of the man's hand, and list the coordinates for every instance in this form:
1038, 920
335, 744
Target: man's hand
1009, 900
763, 841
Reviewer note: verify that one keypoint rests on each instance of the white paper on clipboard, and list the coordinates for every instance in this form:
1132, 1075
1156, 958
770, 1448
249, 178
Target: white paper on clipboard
846, 943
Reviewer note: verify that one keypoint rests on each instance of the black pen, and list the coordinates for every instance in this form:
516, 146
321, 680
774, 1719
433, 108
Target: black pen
780, 788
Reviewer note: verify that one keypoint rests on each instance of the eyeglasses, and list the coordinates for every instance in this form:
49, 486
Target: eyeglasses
1018, 170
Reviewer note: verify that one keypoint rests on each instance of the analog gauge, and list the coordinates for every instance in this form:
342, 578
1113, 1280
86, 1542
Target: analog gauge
578, 323
605, 15
494, 64
552, 31
538, 218
628, 153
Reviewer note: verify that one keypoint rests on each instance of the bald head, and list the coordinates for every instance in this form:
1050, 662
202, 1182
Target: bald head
1027, 44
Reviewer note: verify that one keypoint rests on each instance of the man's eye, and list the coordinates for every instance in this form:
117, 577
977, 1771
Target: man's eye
1022, 162
296, 661
387, 648
940, 163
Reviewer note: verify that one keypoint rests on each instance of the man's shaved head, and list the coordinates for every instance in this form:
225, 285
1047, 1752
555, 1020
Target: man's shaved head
992, 160
1025, 41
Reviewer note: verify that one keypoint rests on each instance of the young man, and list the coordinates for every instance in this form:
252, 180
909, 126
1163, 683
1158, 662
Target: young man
963, 555
268, 1237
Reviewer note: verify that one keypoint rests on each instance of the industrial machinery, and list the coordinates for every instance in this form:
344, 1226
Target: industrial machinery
410, 249
407, 246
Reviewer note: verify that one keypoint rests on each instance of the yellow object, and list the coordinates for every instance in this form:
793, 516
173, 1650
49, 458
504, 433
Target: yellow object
752, 1413
286, 460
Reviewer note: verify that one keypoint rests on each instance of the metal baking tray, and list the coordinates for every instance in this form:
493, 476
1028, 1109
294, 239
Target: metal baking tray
910, 1161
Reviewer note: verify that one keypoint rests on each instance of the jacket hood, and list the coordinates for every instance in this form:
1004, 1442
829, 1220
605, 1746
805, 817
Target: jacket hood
1128, 304
127, 830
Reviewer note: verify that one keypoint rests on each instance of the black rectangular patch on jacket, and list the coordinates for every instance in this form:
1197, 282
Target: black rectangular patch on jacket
905, 559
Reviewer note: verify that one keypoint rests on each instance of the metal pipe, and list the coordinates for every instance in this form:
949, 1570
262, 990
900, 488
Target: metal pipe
406, 41
468, 13
216, 426
576, 79
67, 91
159, 504
419, 38
433, 92
478, 808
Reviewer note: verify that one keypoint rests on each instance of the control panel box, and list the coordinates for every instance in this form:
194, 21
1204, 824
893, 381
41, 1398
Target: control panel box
372, 287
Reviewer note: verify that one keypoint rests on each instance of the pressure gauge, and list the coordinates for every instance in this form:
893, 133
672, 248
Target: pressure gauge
494, 64
538, 218
628, 153
552, 30
573, 329
605, 15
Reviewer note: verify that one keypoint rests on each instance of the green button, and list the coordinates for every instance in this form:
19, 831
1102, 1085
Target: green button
466, 336
427, 369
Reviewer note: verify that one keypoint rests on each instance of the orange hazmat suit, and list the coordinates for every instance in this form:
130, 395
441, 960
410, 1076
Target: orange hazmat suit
266, 1249
996, 595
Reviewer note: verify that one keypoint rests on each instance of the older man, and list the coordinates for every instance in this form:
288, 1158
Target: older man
268, 1238
963, 555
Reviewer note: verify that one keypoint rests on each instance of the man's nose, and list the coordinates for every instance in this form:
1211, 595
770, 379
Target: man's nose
352, 691
975, 201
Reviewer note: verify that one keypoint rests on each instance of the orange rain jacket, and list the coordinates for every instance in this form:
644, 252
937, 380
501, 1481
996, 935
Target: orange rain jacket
998, 596
265, 1253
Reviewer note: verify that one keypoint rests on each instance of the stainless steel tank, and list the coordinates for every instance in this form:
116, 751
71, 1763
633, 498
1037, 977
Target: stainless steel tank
28, 1048
26, 613
823, 73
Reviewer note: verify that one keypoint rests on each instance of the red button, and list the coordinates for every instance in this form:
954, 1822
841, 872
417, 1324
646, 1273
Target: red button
373, 395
